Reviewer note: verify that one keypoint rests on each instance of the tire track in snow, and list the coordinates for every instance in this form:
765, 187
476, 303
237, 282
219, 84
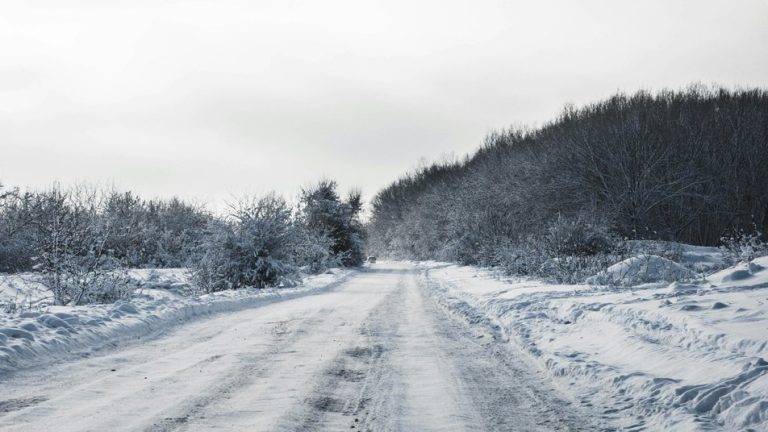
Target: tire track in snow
416, 367
246, 371
354, 391
507, 392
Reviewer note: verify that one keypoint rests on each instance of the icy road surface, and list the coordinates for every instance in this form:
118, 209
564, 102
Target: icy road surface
375, 353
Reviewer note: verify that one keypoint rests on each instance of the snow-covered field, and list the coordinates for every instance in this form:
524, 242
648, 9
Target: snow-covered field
34, 332
647, 353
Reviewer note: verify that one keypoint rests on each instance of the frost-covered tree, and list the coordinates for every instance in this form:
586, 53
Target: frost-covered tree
69, 240
313, 250
324, 213
15, 246
157, 233
687, 166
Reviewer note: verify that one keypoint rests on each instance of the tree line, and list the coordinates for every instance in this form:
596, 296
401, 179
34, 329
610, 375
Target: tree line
78, 241
688, 166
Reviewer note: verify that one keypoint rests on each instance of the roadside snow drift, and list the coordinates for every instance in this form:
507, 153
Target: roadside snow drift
641, 269
690, 355
33, 332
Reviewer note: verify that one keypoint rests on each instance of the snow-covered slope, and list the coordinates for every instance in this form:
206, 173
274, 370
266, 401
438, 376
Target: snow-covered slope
34, 332
680, 356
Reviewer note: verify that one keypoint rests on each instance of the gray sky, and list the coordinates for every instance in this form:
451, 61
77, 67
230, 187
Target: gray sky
212, 98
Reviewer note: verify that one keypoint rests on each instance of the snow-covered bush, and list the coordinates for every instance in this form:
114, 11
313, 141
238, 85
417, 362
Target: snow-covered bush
670, 250
323, 213
569, 251
78, 242
529, 259
15, 243
519, 260
312, 250
82, 284
156, 233
577, 237
744, 247
533, 261
253, 247
69, 241
575, 269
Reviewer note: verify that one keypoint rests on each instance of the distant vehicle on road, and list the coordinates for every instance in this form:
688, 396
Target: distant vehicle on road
371, 259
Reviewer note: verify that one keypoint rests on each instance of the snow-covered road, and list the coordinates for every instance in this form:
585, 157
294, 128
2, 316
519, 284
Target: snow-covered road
374, 353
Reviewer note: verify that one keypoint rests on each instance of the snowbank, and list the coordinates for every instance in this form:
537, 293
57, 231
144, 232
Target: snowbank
23, 291
641, 269
45, 333
681, 356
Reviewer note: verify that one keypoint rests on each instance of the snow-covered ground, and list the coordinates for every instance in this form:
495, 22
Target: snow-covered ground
640, 353
34, 332
647, 353
375, 353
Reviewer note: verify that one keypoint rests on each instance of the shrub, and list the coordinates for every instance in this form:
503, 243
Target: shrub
253, 248
576, 269
78, 282
15, 242
325, 215
158, 233
69, 241
669, 250
529, 258
79, 241
520, 259
313, 250
744, 246
578, 236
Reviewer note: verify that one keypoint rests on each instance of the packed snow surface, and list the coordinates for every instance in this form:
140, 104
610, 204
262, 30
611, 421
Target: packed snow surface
686, 355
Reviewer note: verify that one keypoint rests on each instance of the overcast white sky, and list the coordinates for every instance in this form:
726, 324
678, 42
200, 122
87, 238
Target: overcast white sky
211, 98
